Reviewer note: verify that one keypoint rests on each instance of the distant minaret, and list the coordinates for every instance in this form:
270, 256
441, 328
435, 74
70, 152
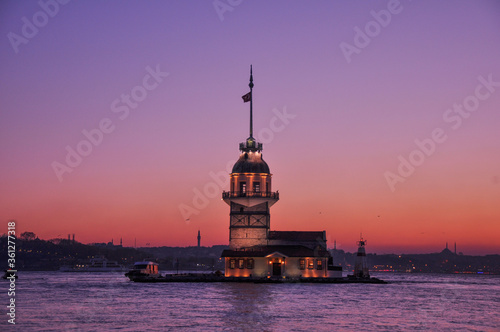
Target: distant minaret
73, 237
334, 244
455, 248
199, 238
121, 242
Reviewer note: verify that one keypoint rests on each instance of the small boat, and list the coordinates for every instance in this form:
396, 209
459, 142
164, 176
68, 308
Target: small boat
9, 273
142, 270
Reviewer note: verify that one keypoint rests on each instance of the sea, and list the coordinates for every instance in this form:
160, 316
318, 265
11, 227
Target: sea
58, 301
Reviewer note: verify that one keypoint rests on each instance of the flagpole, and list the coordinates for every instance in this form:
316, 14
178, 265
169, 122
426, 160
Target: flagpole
251, 102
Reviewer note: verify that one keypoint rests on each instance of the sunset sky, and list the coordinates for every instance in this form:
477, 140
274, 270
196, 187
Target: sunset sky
348, 94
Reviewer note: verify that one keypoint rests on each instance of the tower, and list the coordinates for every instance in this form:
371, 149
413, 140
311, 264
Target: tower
250, 195
360, 264
199, 238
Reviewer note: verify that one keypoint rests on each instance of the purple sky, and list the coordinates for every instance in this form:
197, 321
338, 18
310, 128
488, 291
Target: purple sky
352, 119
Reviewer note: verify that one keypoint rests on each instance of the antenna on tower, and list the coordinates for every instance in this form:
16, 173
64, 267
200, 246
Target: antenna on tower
251, 102
248, 98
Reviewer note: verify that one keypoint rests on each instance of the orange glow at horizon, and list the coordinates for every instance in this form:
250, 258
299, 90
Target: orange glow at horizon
420, 217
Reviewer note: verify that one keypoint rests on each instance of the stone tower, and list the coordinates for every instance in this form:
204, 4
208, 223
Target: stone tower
250, 195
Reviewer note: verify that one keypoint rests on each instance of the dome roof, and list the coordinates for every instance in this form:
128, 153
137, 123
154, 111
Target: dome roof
251, 162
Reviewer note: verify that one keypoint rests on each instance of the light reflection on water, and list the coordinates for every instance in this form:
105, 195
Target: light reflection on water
104, 301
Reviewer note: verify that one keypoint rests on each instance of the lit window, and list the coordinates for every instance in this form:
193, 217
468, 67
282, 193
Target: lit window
310, 264
256, 187
250, 263
241, 264
232, 264
302, 264
319, 264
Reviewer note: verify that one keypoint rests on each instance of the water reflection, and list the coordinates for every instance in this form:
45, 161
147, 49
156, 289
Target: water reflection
249, 306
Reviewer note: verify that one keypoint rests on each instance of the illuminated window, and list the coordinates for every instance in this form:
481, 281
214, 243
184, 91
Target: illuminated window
302, 264
243, 188
319, 264
310, 264
256, 187
232, 264
250, 263
241, 264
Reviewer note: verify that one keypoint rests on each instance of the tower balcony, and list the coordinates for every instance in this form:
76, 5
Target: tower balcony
265, 194
250, 198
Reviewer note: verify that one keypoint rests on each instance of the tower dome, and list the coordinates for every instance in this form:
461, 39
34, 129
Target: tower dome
251, 163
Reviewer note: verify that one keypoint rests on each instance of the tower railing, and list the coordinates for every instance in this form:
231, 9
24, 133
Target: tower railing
264, 194
251, 145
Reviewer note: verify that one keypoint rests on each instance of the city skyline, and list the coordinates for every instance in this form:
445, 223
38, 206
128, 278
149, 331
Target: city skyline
123, 121
133, 244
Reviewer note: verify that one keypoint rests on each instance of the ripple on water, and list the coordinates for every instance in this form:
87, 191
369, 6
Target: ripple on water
90, 302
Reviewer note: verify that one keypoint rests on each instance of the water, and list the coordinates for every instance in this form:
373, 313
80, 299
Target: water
52, 301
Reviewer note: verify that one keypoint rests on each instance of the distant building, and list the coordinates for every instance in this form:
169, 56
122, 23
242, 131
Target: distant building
447, 251
255, 250
199, 238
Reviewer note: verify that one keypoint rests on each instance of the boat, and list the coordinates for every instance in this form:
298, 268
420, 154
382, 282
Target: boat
143, 270
98, 264
9, 274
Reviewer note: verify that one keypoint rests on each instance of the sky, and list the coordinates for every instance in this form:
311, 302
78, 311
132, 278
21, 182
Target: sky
122, 119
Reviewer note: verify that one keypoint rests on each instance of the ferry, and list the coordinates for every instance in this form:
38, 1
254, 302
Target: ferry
98, 264
143, 270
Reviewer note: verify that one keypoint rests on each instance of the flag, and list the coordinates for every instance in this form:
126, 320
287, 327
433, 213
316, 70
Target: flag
247, 97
